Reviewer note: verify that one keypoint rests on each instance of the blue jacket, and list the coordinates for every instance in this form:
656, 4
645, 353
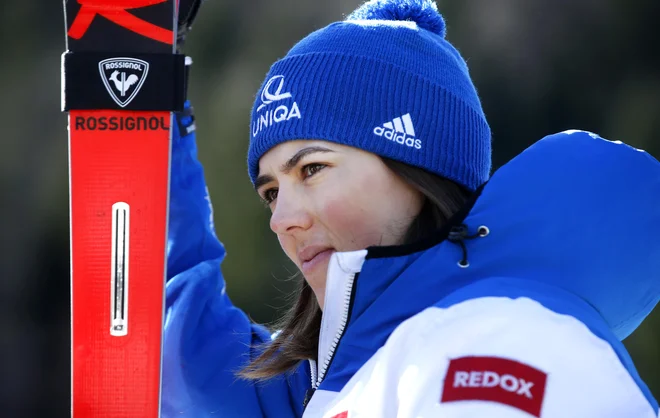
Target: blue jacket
573, 224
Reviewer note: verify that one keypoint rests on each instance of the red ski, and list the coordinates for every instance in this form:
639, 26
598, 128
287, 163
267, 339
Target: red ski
121, 81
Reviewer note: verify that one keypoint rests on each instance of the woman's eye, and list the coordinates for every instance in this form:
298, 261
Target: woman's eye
269, 196
311, 169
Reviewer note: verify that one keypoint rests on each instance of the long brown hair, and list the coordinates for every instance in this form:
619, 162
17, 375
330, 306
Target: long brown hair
299, 328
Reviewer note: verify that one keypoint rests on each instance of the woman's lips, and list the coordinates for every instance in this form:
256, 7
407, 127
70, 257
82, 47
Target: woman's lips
318, 260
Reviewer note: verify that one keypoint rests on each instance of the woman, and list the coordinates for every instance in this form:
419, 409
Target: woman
429, 289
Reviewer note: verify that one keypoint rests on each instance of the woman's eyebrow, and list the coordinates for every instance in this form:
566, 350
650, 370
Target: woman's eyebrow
261, 180
293, 161
288, 166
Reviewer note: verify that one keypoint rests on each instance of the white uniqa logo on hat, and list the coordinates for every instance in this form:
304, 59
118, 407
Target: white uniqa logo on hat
272, 92
400, 130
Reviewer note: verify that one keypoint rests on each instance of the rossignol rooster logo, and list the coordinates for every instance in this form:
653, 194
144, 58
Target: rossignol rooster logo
123, 78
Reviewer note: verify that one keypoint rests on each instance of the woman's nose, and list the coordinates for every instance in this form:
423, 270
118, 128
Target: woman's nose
290, 213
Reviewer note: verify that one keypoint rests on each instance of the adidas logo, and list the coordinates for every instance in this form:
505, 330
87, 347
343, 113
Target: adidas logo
401, 131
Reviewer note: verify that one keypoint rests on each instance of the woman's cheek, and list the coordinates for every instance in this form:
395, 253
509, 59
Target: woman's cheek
352, 224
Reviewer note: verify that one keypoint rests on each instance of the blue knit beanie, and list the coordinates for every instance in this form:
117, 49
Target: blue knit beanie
384, 80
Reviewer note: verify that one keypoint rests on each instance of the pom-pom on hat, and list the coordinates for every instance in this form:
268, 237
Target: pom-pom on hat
423, 13
384, 80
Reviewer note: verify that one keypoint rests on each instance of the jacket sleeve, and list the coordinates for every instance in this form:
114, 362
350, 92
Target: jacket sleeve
497, 358
207, 339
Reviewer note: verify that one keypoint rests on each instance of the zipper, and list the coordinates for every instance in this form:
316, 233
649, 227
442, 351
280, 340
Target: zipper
310, 392
313, 369
317, 376
346, 310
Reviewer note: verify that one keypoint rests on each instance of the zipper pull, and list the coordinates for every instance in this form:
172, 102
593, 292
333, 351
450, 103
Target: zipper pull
308, 395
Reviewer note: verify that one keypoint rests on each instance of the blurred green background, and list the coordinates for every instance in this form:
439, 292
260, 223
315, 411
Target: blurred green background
540, 67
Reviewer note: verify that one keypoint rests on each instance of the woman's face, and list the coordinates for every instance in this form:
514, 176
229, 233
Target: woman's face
326, 197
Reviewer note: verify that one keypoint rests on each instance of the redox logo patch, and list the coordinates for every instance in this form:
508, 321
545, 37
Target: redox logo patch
123, 78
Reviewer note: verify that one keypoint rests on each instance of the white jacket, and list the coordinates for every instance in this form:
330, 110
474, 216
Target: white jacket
491, 357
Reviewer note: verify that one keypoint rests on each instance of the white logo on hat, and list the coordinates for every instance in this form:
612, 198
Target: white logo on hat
281, 113
267, 97
400, 130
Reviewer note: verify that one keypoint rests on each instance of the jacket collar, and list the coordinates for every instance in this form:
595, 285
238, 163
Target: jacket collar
351, 289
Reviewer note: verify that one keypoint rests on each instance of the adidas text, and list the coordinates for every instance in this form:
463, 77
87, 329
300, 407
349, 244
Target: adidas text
400, 130
398, 137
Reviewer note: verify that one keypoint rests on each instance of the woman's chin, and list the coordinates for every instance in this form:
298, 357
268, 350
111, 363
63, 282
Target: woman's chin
316, 272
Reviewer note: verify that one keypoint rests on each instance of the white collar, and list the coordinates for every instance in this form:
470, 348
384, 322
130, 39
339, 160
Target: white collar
342, 268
